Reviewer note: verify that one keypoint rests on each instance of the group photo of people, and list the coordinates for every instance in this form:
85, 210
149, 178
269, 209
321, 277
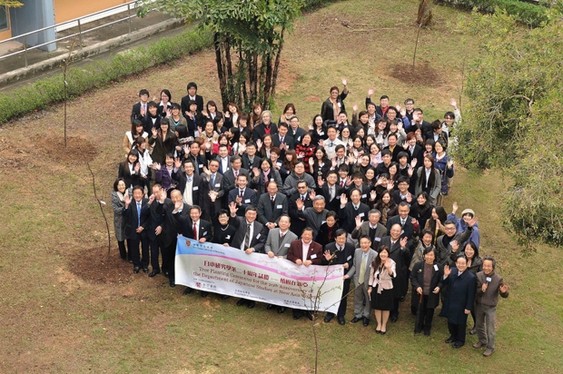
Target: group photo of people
359, 187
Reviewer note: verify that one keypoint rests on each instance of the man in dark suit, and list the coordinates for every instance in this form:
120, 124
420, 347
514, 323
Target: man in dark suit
193, 155
158, 203
242, 196
399, 253
305, 252
271, 205
191, 96
188, 183
330, 190
249, 159
136, 217
299, 221
224, 159
349, 210
371, 228
414, 151
340, 252
461, 298
211, 193
140, 109
408, 228
393, 147
230, 176
295, 130
177, 217
283, 140
152, 118
402, 193
250, 237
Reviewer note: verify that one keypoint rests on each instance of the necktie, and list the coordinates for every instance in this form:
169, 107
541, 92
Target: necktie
235, 173
241, 193
303, 198
212, 180
281, 139
195, 231
189, 180
272, 199
362, 270
138, 214
402, 221
247, 237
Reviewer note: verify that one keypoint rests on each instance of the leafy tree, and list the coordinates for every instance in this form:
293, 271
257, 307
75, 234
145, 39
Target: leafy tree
248, 41
11, 3
513, 120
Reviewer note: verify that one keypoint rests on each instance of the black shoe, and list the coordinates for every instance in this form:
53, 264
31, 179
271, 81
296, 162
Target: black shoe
366, 321
328, 317
136, 269
203, 293
153, 273
426, 333
166, 273
449, 340
457, 345
269, 307
145, 270
394, 318
281, 309
341, 321
224, 297
251, 304
296, 315
188, 290
355, 320
173, 284
383, 332
241, 302
417, 331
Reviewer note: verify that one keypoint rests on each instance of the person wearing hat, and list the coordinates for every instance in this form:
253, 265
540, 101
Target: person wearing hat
191, 96
461, 224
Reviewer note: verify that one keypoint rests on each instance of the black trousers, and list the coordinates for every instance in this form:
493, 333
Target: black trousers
424, 316
134, 253
457, 330
168, 257
344, 298
155, 251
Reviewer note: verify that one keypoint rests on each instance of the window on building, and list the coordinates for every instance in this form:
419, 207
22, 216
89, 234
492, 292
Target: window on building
3, 18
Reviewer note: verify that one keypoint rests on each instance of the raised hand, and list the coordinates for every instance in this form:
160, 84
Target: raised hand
453, 103
372, 195
300, 204
403, 242
177, 163
455, 207
455, 245
504, 288
414, 161
327, 255
312, 194
409, 198
344, 82
127, 198
343, 199
233, 208
355, 108
370, 92
447, 270
358, 221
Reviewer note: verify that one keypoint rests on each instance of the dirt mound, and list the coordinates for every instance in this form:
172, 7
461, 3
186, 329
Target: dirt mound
422, 74
95, 266
77, 148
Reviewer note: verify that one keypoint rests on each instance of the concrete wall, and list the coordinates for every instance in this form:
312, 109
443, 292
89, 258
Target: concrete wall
34, 16
70, 9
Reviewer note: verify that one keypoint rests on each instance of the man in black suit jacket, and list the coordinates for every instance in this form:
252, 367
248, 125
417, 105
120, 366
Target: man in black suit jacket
136, 218
271, 205
211, 194
408, 228
158, 203
193, 155
250, 159
299, 222
224, 159
399, 253
349, 210
295, 130
242, 196
250, 237
191, 96
177, 219
340, 252
140, 109
188, 183
230, 176
331, 191
283, 139
461, 298
199, 230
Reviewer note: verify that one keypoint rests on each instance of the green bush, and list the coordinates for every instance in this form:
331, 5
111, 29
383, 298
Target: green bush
527, 13
98, 74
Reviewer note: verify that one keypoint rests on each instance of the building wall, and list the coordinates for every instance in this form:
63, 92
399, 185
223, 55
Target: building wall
70, 9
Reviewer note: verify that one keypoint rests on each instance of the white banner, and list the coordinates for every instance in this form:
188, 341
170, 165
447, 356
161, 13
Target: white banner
230, 271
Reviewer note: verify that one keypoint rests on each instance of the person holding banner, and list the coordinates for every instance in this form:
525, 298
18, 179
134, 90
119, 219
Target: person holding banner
340, 252
199, 230
305, 252
363, 257
175, 217
224, 230
250, 236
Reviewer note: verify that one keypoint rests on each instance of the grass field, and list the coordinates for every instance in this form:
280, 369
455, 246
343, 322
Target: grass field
67, 307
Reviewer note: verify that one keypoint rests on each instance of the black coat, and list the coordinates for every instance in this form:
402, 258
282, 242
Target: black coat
460, 295
346, 256
418, 281
348, 216
130, 218
258, 236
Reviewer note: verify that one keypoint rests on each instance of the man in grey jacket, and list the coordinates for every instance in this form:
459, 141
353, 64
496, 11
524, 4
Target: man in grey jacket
489, 286
363, 258
290, 185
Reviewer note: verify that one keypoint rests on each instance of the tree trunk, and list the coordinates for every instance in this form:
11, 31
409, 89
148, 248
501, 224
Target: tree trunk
230, 79
220, 67
277, 64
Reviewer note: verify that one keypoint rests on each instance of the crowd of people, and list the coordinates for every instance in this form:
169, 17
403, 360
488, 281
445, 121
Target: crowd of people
362, 189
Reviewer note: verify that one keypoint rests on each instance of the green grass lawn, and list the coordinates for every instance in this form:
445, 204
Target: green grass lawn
57, 321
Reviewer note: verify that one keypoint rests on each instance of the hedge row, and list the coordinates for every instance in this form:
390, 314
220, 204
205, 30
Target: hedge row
47, 91
527, 13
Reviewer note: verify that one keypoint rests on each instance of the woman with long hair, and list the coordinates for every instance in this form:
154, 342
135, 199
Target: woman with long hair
318, 129
136, 131
386, 206
305, 151
162, 141
319, 164
435, 223
118, 204
428, 180
421, 209
380, 288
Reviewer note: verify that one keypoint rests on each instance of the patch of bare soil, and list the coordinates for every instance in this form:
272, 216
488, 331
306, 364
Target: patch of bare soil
77, 148
94, 265
422, 74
